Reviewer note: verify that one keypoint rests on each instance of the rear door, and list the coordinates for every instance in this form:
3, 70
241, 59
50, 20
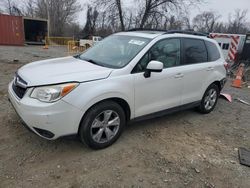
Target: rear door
196, 69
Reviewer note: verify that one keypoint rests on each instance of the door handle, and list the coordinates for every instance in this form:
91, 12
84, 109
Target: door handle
179, 75
210, 68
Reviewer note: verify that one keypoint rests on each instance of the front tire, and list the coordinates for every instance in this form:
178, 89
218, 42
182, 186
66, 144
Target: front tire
209, 99
102, 125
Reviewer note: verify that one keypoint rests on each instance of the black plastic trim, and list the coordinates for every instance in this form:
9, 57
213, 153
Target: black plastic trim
167, 111
44, 133
172, 31
223, 82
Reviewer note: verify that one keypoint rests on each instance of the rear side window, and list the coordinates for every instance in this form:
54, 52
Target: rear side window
194, 51
213, 52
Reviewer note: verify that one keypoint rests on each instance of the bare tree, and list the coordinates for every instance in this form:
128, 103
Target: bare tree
206, 21
130, 20
90, 26
163, 9
29, 8
60, 13
7, 4
221, 27
187, 23
11, 7
144, 13
114, 8
174, 23
119, 7
237, 22
72, 29
151, 8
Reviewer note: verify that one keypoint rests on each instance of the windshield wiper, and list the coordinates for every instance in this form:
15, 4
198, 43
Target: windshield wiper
77, 56
88, 60
91, 61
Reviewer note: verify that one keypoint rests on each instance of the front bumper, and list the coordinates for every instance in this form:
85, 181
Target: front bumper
48, 120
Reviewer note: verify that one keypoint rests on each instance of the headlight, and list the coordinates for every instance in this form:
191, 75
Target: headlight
52, 93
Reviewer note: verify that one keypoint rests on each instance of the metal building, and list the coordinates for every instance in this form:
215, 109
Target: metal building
18, 30
11, 30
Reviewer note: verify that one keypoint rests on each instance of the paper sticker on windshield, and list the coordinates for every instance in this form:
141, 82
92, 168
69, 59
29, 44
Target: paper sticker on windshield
136, 42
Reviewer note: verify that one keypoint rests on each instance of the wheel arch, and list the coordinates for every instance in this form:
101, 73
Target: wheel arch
208, 84
218, 83
122, 102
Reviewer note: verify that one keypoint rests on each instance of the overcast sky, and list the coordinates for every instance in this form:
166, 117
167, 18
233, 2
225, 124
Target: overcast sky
223, 7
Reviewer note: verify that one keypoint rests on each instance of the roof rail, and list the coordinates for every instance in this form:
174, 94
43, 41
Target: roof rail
188, 32
145, 29
173, 31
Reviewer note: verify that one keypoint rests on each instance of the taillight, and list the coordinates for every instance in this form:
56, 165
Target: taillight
226, 65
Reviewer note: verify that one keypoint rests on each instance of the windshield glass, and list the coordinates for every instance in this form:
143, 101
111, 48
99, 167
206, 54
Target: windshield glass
115, 51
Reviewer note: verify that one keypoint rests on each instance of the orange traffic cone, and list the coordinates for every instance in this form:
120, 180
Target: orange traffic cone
237, 82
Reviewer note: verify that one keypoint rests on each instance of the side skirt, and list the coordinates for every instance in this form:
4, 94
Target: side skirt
166, 112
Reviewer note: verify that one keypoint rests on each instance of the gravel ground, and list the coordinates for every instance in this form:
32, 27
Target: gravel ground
26, 54
185, 149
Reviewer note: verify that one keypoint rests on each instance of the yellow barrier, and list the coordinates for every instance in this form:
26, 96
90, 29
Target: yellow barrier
57, 41
74, 47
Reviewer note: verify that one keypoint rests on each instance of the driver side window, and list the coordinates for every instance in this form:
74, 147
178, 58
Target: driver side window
166, 51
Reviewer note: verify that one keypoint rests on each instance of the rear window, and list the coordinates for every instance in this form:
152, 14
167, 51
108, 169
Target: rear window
213, 52
194, 51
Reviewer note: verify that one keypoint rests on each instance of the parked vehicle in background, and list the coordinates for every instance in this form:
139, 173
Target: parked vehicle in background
88, 42
127, 76
96, 39
231, 44
245, 55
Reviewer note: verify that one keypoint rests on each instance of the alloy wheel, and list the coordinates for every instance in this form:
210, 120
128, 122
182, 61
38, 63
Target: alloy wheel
210, 99
105, 126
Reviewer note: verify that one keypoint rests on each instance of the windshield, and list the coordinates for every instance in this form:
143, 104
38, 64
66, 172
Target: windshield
115, 51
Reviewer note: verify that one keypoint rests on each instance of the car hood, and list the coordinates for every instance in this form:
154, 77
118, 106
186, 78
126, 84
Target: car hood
61, 70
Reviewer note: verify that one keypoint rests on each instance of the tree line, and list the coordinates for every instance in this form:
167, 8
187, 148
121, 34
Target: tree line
109, 16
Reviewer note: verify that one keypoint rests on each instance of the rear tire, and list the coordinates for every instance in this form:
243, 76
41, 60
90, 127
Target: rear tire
209, 99
102, 125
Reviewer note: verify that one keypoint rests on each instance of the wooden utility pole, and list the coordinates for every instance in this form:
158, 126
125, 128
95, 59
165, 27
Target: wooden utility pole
48, 19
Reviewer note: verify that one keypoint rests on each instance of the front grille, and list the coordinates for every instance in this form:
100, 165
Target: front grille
19, 86
19, 91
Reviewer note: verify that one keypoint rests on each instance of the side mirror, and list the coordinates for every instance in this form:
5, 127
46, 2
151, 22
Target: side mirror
153, 66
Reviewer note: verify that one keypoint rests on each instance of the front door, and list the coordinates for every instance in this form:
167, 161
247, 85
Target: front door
161, 90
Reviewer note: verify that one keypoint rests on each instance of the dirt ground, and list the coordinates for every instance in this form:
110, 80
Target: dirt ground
185, 149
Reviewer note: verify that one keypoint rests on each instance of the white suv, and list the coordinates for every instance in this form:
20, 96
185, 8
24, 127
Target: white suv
127, 76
